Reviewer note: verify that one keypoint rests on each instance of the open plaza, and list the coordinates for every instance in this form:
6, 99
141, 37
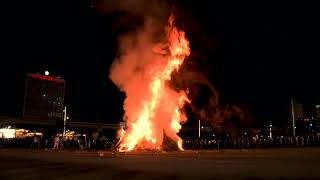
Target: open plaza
280, 163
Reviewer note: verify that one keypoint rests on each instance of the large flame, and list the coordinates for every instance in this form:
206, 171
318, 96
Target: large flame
159, 111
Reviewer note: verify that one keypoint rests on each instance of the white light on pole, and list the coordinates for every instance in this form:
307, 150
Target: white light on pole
46, 73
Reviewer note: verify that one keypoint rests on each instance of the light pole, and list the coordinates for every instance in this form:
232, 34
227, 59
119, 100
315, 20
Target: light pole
64, 120
199, 129
293, 119
270, 131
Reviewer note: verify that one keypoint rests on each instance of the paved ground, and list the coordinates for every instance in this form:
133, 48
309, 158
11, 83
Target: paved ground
252, 164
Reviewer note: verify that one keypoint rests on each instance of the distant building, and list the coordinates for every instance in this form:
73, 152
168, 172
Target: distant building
44, 99
318, 112
298, 111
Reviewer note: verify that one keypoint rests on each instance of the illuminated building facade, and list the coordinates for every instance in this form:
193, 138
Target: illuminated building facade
44, 99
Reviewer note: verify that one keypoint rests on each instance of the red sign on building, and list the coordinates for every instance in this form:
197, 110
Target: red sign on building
47, 78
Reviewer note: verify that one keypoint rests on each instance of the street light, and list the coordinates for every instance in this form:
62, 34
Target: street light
293, 118
199, 129
64, 120
270, 131
46, 73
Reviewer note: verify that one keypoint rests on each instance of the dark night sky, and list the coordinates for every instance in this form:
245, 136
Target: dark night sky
258, 55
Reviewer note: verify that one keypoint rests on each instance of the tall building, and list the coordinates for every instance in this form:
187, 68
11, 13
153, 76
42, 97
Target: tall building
318, 112
44, 99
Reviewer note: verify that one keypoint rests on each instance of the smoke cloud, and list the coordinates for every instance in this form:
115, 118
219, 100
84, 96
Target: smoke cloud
156, 9
139, 49
193, 78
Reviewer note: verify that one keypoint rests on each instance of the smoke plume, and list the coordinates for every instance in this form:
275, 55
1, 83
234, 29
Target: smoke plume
140, 49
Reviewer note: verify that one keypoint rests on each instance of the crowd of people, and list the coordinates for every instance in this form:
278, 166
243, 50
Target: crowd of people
58, 143
254, 142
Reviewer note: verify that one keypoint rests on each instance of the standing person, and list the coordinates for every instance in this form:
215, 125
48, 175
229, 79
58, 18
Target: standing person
298, 141
89, 144
73, 144
61, 146
39, 142
80, 143
302, 141
68, 146
56, 143
46, 142
30, 142
35, 142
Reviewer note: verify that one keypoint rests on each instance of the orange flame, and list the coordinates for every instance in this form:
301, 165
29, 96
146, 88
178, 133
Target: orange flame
161, 110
